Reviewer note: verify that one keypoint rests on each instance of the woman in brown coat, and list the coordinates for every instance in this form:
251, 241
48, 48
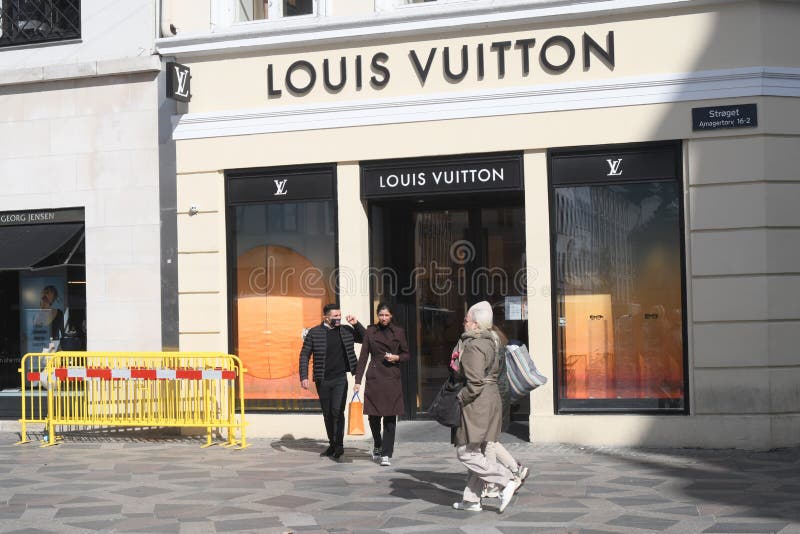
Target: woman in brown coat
385, 344
481, 415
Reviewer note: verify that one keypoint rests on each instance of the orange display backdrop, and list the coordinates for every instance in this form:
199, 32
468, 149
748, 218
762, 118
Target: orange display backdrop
275, 302
630, 355
589, 355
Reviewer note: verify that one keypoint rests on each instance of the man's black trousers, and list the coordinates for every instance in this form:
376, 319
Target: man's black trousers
332, 398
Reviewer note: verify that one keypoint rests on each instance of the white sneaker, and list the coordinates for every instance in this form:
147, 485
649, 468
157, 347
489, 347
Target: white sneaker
522, 473
376, 455
468, 506
490, 491
385, 461
507, 494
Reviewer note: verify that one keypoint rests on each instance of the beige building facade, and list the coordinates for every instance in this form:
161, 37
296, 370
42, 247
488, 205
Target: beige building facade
617, 178
81, 227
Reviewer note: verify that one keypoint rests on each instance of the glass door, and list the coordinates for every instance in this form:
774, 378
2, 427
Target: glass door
433, 263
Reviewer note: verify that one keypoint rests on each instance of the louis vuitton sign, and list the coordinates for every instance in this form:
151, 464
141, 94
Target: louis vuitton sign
553, 54
430, 176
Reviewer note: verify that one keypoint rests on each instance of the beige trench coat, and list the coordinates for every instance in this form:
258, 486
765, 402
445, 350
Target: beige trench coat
481, 414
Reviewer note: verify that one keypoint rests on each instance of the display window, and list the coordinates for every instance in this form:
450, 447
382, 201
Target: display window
618, 275
282, 258
42, 287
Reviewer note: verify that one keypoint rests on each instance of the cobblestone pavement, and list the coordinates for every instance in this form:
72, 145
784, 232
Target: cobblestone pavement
130, 482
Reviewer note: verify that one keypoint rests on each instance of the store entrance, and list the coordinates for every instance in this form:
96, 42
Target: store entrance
432, 260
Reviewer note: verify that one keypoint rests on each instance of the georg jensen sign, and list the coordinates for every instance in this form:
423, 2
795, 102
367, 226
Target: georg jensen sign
552, 55
441, 175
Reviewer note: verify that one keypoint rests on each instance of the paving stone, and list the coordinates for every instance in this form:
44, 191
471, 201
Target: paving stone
638, 501
749, 528
142, 491
543, 517
634, 481
647, 523
719, 485
567, 504
238, 525
400, 522
287, 501
372, 506
88, 511
681, 510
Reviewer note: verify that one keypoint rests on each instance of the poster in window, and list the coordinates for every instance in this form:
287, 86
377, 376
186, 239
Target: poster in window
42, 304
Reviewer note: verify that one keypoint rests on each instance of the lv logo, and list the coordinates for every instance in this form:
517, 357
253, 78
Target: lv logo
182, 76
614, 167
280, 187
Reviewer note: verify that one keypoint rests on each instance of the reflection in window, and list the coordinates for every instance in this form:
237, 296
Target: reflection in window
619, 294
247, 10
36, 21
284, 264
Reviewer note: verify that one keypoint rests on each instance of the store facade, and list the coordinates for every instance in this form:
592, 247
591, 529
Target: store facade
82, 231
619, 195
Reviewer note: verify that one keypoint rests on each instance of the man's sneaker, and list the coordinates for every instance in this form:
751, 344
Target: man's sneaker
338, 452
376, 454
507, 494
385, 461
490, 491
328, 451
468, 506
522, 473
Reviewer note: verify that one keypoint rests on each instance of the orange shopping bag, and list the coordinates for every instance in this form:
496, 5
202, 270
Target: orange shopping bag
355, 416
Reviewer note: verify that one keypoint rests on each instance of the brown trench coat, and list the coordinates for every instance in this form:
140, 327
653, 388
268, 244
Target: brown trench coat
481, 414
383, 394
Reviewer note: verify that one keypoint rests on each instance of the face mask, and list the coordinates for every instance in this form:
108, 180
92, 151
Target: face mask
336, 322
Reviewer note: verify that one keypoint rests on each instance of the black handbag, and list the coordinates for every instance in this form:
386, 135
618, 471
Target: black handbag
446, 408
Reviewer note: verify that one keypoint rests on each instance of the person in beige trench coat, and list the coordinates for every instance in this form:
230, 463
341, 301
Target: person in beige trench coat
481, 413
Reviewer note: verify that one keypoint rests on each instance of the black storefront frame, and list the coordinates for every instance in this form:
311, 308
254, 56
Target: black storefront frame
269, 173
612, 406
433, 200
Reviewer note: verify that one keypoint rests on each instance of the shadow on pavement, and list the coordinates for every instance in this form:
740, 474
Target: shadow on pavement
765, 483
436, 488
290, 443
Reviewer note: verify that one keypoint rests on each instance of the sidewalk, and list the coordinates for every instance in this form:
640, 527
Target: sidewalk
134, 482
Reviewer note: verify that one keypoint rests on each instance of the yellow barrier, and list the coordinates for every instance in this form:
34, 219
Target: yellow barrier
176, 389
33, 393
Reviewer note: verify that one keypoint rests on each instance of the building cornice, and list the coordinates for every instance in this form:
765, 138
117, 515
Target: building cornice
642, 90
420, 20
86, 69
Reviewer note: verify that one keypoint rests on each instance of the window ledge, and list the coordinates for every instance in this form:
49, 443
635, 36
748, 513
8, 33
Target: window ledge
405, 20
87, 69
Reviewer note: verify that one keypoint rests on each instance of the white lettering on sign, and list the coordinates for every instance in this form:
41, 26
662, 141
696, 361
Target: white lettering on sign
21, 218
462, 176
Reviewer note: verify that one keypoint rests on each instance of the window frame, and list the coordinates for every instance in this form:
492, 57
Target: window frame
223, 15
232, 200
615, 406
53, 10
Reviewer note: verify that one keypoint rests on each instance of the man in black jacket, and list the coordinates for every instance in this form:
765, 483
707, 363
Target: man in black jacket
331, 343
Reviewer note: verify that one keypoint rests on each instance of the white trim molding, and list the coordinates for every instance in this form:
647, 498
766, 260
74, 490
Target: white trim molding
407, 21
733, 83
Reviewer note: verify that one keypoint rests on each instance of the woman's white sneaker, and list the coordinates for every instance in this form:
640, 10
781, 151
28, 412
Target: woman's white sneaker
385, 461
508, 493
468, 506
